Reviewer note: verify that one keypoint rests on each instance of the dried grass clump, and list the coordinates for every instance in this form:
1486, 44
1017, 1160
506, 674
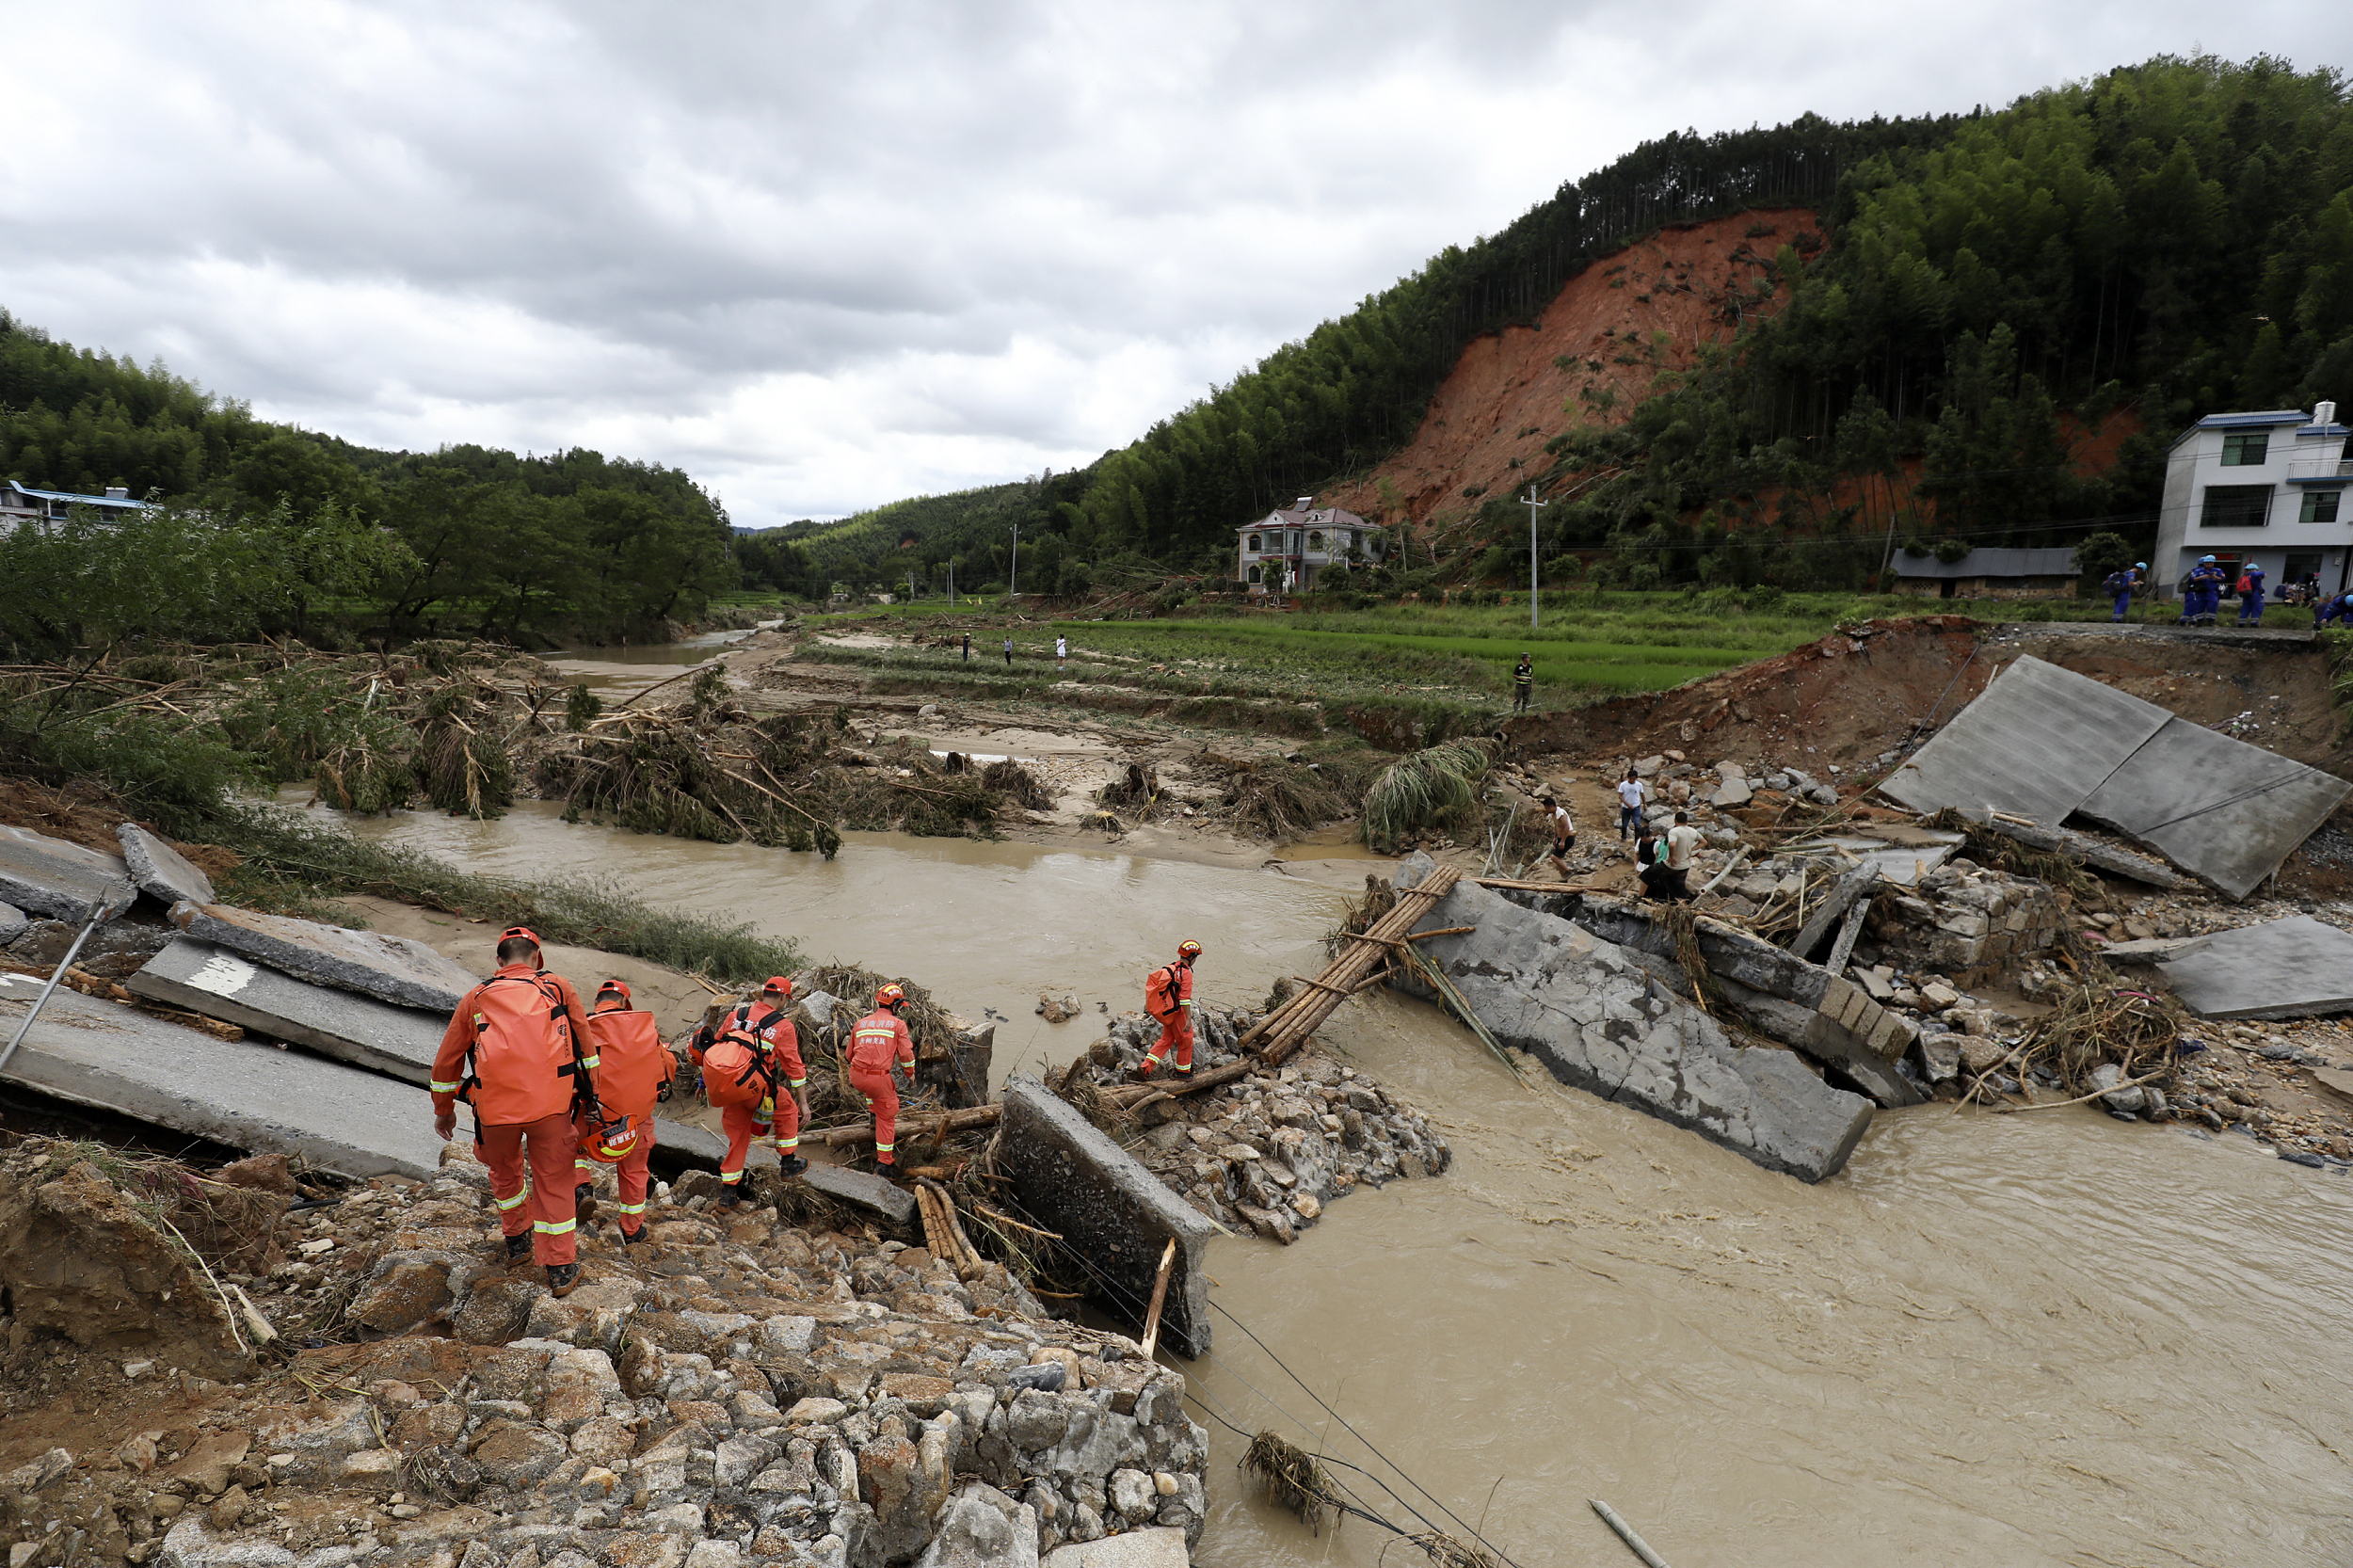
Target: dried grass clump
1282, 800
1295, 1481
463, 760
1432, 789
1019, 784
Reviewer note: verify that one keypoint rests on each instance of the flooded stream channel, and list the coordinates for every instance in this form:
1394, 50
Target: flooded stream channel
2023, 1340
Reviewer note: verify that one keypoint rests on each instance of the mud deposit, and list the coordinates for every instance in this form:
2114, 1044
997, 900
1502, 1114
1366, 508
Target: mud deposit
2035, 1338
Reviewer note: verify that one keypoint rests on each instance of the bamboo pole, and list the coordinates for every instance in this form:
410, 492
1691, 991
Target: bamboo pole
1160, 1297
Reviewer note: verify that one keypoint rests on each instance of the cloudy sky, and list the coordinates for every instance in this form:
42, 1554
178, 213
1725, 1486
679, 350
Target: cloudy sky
824, 253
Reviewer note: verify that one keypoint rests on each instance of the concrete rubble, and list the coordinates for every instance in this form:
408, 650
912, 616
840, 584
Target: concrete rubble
202, 978
2044, 743
161, 872
1114, 1213
2292, 968
41, 876
391, 968
734, 1392
1598, 1019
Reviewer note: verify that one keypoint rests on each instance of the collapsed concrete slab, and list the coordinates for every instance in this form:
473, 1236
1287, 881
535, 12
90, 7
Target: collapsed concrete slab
1598, 1019
215, 982
1110, 1210
2226, 811
249, 1097
2044, 743
1784, 996
161, 872
2096, 853
2037, 741
41, 876
391, 968
2298, 967
14, 922
862, 1190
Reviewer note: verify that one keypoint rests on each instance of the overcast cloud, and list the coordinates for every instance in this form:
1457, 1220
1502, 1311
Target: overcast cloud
824, 255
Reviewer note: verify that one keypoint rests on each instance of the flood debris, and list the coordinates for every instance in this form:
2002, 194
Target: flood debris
2043, 743
1597, 1018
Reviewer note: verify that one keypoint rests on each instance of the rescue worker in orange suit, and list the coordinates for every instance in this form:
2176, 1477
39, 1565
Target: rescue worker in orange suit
519, 1052
761, 1026
633, 1071
880, 1046
1168, 997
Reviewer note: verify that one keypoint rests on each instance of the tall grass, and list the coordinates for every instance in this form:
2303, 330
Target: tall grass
1438, 787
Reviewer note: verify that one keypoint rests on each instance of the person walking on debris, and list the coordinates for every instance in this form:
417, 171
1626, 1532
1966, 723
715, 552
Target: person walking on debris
1523, 684
752, 1074
517, 1052
634, 1069
1168, 997
2119, 586
1564, 835
1682, 838
1630, 792
879, 1046
1650, 866
2202, 592
2250, 595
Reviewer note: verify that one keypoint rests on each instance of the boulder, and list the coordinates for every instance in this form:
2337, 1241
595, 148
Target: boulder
1598, 1020
14, 922
861, 1190
1157, 1547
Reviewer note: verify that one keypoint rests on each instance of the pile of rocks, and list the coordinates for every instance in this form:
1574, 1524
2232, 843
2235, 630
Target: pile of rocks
1962, 916
720, 1395
1269, 1150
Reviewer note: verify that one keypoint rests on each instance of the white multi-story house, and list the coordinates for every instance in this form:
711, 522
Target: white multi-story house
2267, 487
21, 504
1289, 549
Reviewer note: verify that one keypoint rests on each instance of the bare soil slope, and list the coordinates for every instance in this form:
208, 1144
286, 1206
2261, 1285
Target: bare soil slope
1488, 424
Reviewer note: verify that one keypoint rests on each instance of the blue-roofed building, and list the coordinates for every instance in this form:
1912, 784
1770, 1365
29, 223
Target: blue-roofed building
22, 503
2266, 486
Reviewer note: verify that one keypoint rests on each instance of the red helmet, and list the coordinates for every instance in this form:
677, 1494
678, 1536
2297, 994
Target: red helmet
890, 995
1187, 949
615, 988
779, 983
610, 1142
522, 931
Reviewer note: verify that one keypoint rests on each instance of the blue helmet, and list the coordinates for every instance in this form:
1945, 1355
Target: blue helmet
2140, 566
2205, 560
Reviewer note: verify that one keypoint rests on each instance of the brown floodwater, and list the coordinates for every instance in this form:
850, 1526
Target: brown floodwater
2024, 1339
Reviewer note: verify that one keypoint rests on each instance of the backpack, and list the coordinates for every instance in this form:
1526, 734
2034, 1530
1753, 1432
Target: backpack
2246, 584
2117, 582
1159, 992
736, 1071
635, 1067
523, 1063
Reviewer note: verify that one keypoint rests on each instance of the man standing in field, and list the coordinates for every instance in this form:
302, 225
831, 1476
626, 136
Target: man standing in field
1682, 840
1523, 684
1061, 653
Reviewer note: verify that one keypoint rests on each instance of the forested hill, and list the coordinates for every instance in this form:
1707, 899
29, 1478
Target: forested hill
494, 542
2134, 250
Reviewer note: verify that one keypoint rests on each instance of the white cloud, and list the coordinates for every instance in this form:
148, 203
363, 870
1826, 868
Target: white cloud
828, 254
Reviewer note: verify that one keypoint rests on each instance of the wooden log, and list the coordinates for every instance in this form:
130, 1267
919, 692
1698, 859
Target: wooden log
1159, 1295
855, 1135
1843, 948
1843, 892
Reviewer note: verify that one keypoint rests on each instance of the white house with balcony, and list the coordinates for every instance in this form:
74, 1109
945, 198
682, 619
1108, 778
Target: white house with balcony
21, 504
1292, 548
2267, 487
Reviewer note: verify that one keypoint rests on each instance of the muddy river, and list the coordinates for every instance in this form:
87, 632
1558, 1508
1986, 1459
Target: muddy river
2036, 1338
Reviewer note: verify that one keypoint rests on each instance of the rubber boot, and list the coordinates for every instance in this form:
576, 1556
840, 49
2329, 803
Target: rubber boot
563, 1278
518, 1250
584, 1204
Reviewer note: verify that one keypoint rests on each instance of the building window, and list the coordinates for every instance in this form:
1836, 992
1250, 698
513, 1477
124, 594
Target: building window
1252, 546
2319, 506
2237, 506
2245, 448
1315, 541
1256, 571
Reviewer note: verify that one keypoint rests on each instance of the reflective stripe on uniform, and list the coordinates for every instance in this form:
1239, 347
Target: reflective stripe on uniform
788, 1145
885, 1149
591, 1060
441, 1088
582, 1163
630, 1207
515, 1202
730, 1178
798, 1081
554, 1227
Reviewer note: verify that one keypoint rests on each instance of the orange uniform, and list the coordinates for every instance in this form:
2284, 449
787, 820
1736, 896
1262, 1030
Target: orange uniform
522, 1099
1168, 994
879, 1042
633, 1065
779, 1046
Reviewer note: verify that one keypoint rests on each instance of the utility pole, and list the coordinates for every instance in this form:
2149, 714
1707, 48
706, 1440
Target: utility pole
1013, 578
951, 582
1533, 506
910, 585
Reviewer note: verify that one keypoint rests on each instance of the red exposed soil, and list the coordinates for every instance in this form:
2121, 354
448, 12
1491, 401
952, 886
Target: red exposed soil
1487, 425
